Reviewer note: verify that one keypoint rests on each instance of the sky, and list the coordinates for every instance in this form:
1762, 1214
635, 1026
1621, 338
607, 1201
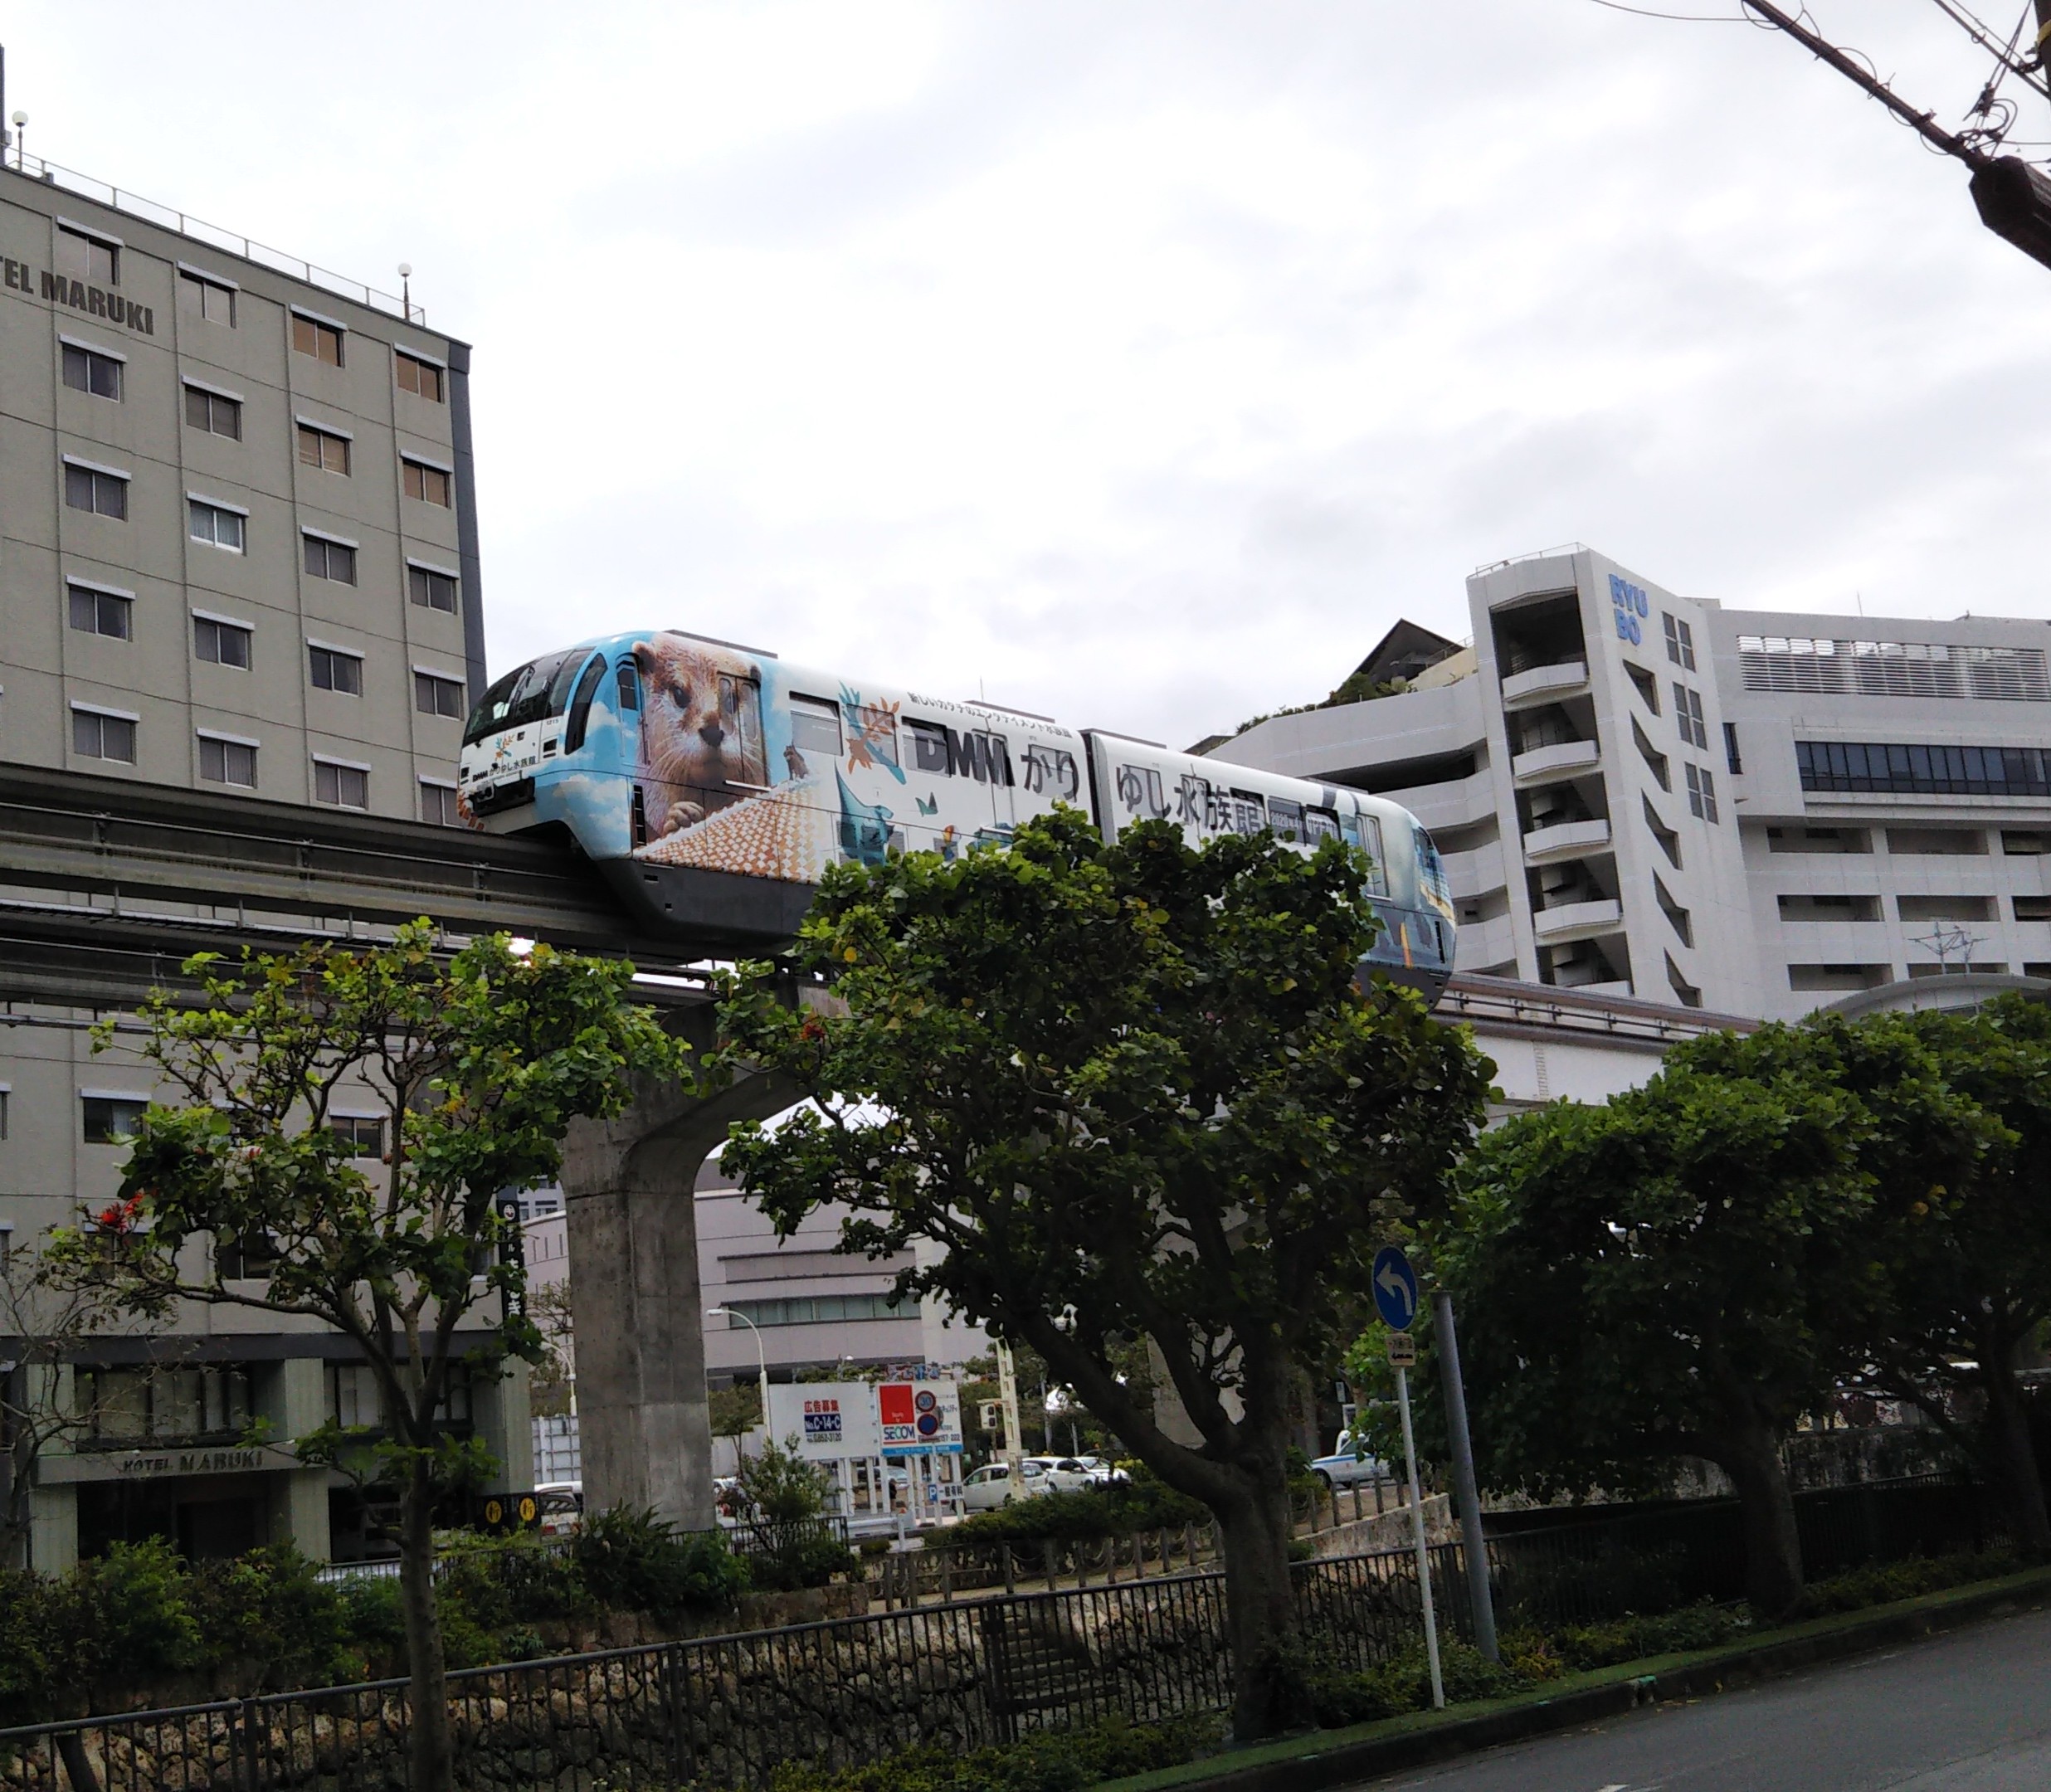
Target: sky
1136, 363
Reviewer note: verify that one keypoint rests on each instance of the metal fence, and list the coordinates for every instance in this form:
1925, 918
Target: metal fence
750, 1537
724, 1711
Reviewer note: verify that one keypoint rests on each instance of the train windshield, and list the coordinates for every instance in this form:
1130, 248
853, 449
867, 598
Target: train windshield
525, 694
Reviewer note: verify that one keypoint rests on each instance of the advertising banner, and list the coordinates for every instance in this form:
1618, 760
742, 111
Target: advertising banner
920, 1418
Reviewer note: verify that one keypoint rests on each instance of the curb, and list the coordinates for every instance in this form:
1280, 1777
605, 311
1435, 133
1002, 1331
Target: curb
1341, 1757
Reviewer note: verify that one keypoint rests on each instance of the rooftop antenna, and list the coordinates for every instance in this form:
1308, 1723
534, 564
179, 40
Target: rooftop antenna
20, 140
405, 288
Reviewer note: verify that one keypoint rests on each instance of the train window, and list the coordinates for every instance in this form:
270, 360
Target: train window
1286, 818
930, 748
815, 726
580, 706
629, 685
1320, 825
520, 696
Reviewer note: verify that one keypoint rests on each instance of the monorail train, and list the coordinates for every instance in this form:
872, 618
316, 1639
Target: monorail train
713, 784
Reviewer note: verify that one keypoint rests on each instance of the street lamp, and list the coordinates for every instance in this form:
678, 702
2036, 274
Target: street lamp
762, 1360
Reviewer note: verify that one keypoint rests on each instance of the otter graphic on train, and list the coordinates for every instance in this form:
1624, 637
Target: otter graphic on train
713, 784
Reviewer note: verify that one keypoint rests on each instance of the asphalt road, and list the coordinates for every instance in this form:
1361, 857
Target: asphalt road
1967, 1712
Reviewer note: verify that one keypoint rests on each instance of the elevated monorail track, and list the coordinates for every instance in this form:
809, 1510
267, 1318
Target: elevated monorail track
107, 885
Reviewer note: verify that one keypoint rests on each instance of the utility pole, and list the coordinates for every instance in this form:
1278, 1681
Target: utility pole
2013, 197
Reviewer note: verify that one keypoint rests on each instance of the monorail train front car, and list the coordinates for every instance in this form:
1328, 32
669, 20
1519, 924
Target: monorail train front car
714, 784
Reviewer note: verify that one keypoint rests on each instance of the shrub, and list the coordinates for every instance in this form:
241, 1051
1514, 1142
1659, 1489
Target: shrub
1143, 1504
633, 1561
124, 1617
807, 1557
375, 1620
1881, 1583
777, 1486
1403, 1683
1622, 1639
269, 1611
516, 1578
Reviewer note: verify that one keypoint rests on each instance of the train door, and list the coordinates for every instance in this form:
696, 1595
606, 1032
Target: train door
740, 718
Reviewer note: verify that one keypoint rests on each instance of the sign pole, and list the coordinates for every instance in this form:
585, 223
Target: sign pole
1424, 1553
1474, 1543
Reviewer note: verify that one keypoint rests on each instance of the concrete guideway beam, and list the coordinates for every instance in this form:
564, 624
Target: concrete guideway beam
645, 1428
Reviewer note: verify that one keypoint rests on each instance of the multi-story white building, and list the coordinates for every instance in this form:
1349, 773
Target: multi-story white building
1642, 794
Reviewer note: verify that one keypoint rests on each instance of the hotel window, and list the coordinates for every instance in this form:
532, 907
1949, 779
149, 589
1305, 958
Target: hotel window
362, 1133
220, 642
436, 696
428, 483
1702, 792
419, 376
227, 762
101, 612
1688, 713
345, 786
94, 736
125, 1407
88, 258
322, 341
213, 301
88, 371
324, 449
1680, 642
96, 490
108, 1119
432, 590
329, 559
216, 525
214, 412
438, 806
333, 669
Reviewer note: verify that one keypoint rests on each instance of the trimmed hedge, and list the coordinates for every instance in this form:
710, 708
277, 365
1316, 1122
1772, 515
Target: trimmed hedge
1059, 1761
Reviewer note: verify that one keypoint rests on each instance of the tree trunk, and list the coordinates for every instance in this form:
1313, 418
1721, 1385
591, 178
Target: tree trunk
1773, 1547
2011, 1454
429, 1752
1266, 1688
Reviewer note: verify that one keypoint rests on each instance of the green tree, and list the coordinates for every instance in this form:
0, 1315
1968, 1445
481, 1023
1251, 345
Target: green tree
1690, 1269
243, 1192
736, 1411
1966, 1242
1133, 1091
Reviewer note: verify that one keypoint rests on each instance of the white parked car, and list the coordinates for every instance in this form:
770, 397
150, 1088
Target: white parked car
1067, 1474
991, 1486
1343, 1468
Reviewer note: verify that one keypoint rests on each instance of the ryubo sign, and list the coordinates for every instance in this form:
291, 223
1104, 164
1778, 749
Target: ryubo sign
920, 1418
1631, 606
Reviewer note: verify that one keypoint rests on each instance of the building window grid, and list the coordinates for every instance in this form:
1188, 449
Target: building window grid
330, 669
362, 1133
321, 341
323, 450
815, 1309
102, 493
1680, 642
432, 590
220, 643
341, 786
430, 484
94, 736
216, 526
436, 696
226, 761
214, 412
83, 256
209, 300
98, 376
1910, 769
419, 377
326, 559
439, 805
123, 1408
1688, 715
1702, 792
99, 612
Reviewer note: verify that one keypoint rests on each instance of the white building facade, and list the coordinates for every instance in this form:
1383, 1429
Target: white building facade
1643, 795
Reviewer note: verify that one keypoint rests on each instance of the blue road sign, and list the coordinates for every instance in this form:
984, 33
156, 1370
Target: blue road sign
1395, 1288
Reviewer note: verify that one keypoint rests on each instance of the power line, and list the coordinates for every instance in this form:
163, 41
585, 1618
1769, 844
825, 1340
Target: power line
1678, 18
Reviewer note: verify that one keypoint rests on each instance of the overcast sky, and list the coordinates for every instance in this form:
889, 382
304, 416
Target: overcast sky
1136, 362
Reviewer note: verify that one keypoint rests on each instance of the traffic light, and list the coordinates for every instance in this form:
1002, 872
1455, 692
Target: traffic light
2014, 202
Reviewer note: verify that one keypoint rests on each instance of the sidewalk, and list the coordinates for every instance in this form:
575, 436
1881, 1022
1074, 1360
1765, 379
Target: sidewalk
1333, 1758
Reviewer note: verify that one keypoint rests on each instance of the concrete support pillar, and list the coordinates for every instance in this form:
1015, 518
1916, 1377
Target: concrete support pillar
505, 1421
53, 1528
294, 1397
634, 1291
